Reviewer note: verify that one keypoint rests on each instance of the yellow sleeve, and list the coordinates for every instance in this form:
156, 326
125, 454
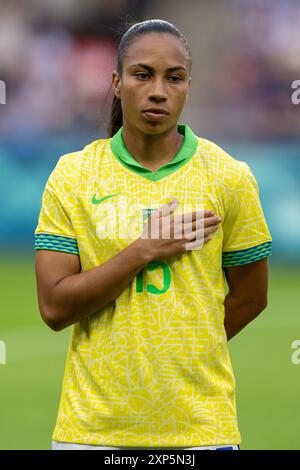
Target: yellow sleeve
246, 237
55, 230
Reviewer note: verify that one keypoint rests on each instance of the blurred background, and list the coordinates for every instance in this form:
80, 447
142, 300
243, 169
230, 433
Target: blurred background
56, 59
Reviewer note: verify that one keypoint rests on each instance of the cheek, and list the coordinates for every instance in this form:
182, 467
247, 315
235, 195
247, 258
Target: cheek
130, 95
181, 100
131, 102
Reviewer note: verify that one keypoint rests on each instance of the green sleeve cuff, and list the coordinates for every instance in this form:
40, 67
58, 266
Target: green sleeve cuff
249, 255
45, 241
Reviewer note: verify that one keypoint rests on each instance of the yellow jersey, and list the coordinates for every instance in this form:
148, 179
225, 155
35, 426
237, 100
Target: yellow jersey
152, 368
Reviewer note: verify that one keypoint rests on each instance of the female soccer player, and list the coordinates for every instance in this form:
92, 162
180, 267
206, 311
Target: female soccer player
148, 363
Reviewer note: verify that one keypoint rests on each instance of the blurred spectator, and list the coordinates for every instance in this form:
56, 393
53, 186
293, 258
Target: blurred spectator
57, 58
263, 60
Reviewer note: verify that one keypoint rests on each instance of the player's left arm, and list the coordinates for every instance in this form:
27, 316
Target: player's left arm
247, 245
247, 296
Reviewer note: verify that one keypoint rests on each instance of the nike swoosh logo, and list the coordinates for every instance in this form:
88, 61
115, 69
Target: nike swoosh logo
98, 201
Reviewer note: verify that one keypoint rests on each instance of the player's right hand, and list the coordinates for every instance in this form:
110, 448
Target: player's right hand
166, 234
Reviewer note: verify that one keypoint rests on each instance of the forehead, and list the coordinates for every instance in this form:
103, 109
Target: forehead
160, 49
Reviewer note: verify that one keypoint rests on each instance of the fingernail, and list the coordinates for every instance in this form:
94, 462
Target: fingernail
219, 219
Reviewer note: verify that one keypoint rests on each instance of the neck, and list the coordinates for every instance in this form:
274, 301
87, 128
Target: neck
152, 151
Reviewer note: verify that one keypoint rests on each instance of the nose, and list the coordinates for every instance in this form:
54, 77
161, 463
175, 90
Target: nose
157, 92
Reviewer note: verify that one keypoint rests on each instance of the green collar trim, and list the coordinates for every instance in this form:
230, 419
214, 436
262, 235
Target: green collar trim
185, 153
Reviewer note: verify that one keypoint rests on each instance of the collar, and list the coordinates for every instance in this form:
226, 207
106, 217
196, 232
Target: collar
185, 153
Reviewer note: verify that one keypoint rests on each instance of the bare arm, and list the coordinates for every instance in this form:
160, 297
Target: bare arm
247, 296
67, 295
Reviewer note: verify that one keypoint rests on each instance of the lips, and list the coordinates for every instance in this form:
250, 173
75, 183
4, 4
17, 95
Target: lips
155, 114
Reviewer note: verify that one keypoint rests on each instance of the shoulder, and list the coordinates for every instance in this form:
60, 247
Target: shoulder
73, 169
220, 163
70, 167
87, 154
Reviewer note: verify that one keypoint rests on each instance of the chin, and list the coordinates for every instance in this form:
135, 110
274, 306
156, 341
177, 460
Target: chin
155, 128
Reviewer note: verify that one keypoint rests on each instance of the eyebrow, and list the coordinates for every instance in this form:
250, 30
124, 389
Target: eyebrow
151, 69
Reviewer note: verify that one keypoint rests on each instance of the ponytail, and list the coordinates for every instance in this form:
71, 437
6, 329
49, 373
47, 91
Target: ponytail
116, 118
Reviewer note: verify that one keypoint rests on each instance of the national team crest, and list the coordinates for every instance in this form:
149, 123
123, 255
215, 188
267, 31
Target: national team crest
146, 213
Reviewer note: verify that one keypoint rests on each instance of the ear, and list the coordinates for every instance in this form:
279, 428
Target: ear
187, 96
116, 81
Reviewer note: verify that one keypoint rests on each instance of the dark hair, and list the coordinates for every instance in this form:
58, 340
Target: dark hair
139, 29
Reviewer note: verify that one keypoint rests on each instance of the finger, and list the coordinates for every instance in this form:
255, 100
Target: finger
193, 226
186, 225
197, 244
165, 209
155, 227
200, 223
210, 229
212, 221
195, 235
201, 213
201, 233
195, 215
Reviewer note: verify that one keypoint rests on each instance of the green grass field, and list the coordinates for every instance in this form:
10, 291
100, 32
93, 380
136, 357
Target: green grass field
268, 384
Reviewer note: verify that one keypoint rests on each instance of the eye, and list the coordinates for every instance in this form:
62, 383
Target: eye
142, 75
175, 78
